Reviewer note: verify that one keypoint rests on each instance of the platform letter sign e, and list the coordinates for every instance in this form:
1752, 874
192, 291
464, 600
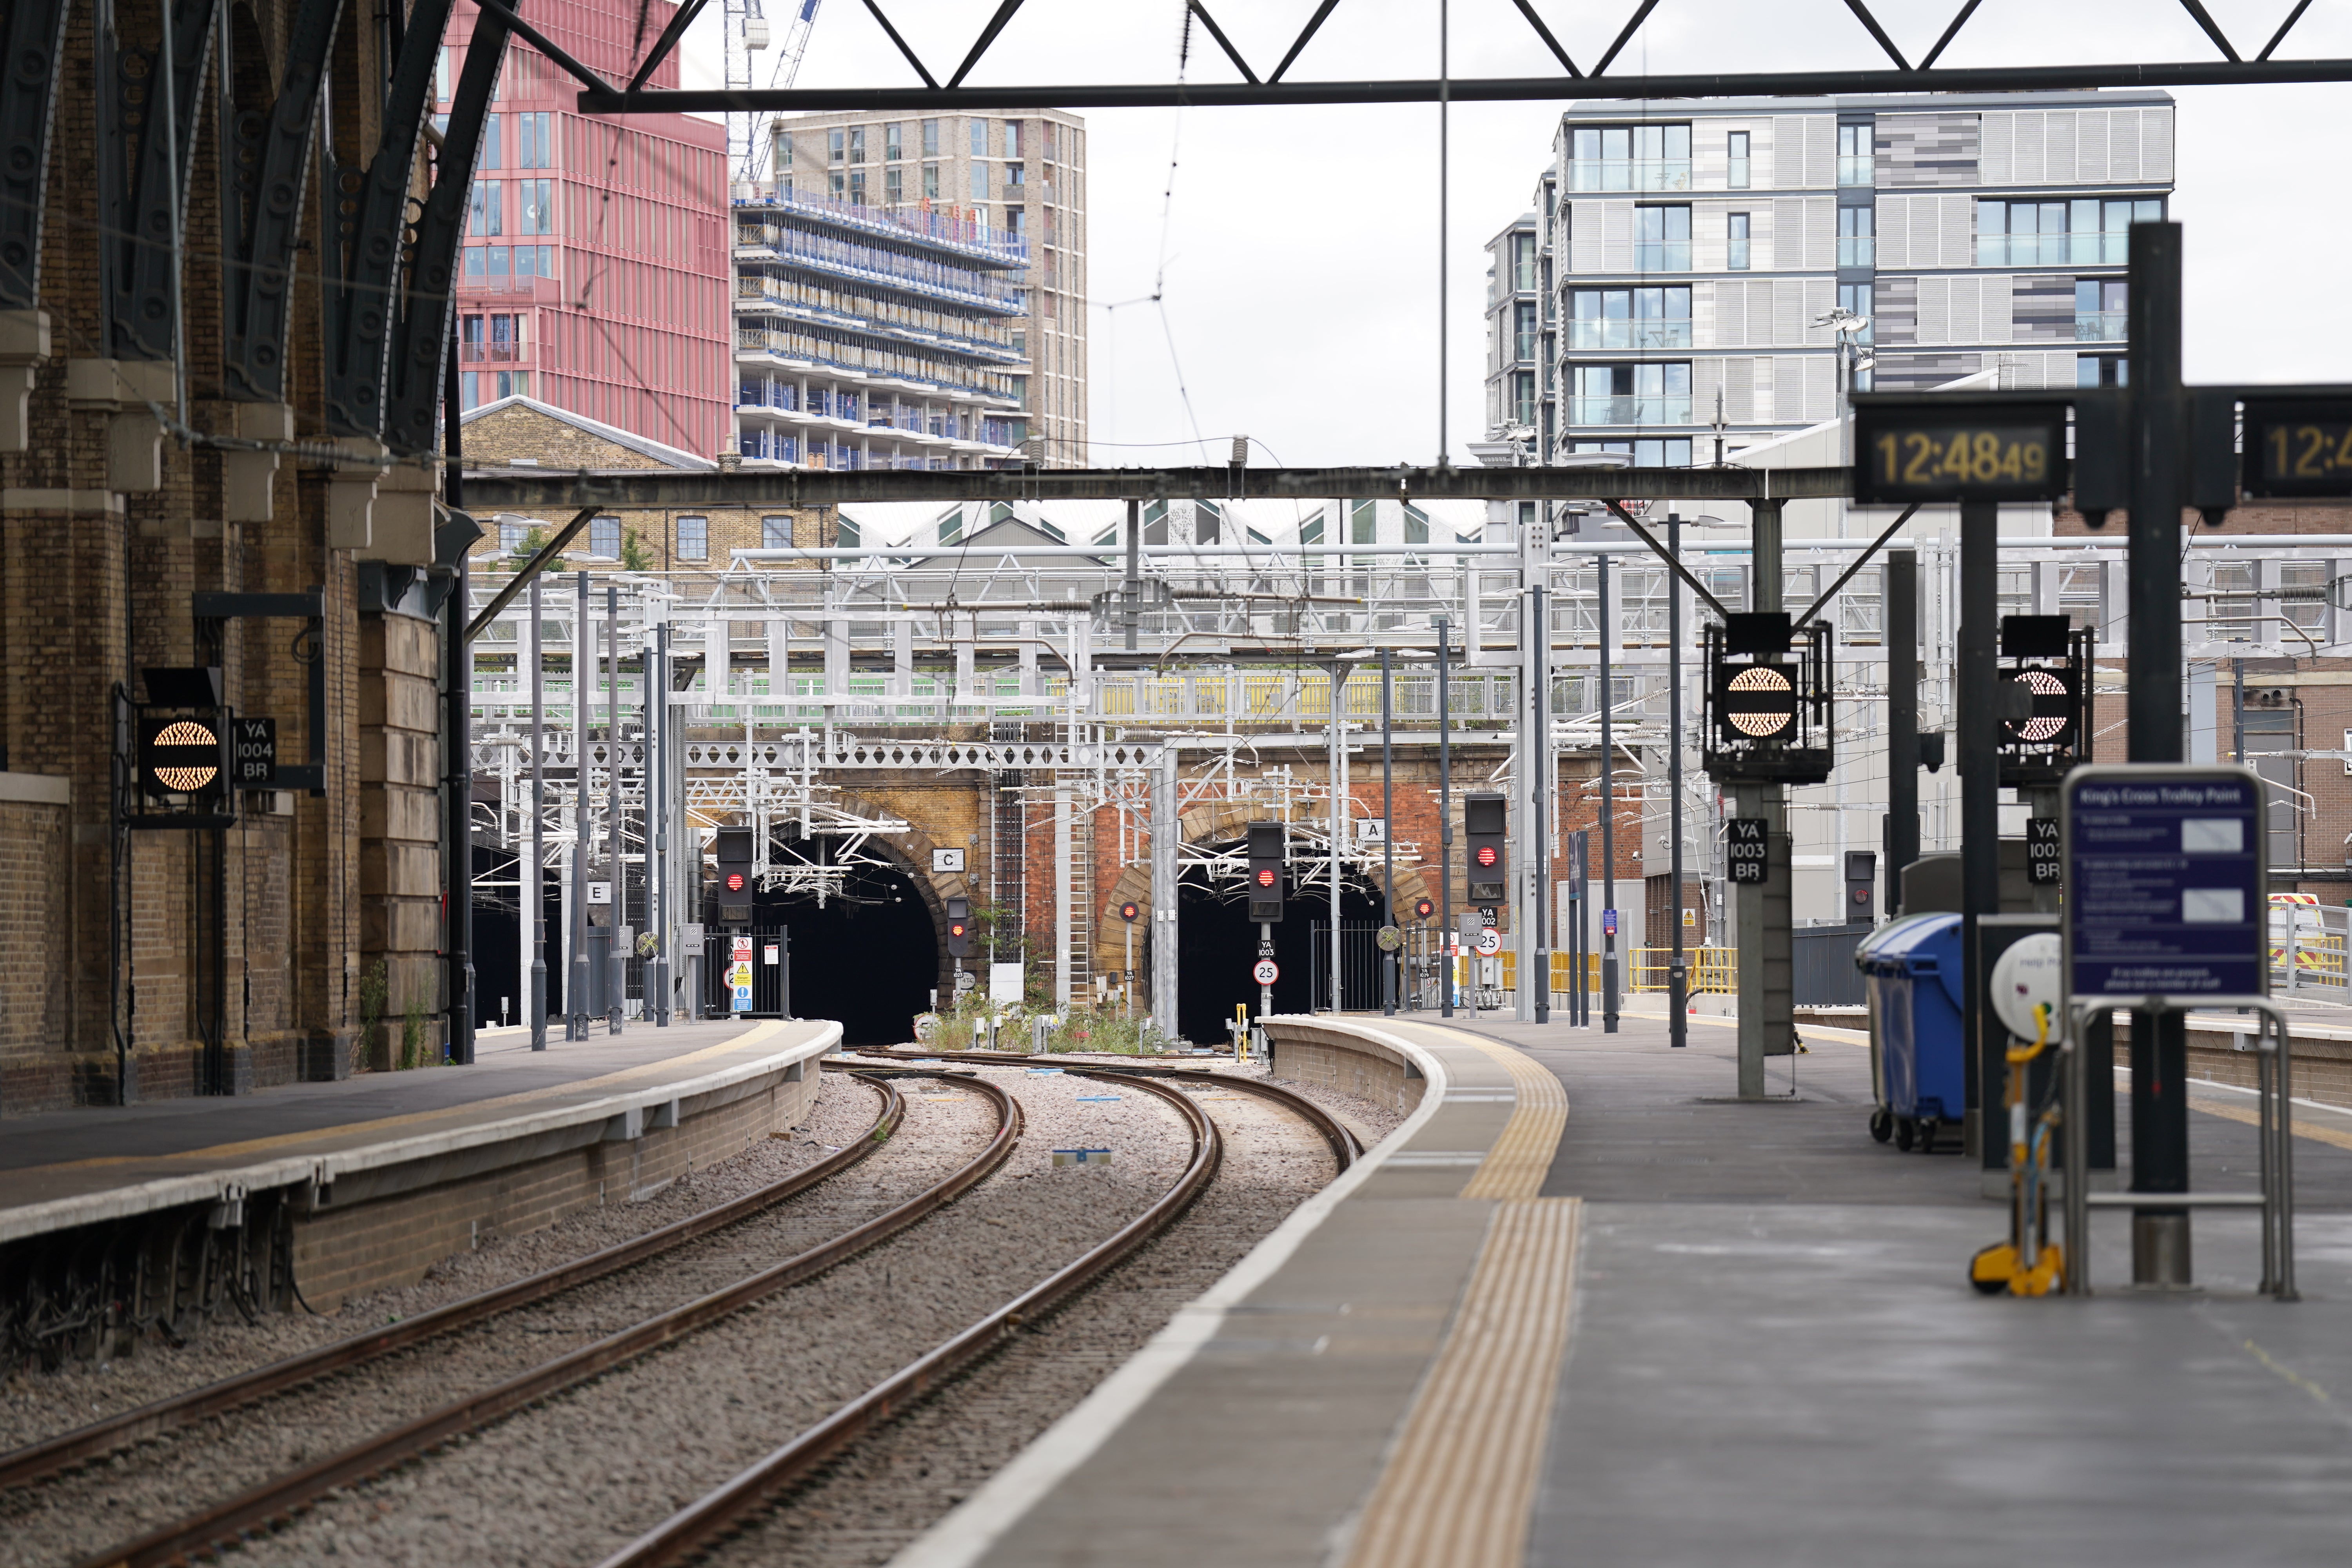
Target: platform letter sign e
1749, 847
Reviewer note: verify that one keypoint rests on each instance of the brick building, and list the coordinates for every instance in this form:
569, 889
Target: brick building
594, 271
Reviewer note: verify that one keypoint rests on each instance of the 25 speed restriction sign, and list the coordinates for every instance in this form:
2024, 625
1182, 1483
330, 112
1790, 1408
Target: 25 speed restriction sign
1265, 972
1490, 942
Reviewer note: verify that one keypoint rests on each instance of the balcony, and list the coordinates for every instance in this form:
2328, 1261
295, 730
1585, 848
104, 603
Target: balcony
2099, 326
2089, 248
493, 354
1661, 255
1857, 169
1528, 346
1630, 174
1669, 410
1620, 333
1858, 251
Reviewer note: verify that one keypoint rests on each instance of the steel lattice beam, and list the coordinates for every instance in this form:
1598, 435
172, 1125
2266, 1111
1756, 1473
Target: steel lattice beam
655, 488
1478, 90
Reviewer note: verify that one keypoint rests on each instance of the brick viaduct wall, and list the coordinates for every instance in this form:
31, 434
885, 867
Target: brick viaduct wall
392, 1241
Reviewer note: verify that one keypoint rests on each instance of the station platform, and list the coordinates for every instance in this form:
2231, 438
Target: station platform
1586, 1306
373, 1178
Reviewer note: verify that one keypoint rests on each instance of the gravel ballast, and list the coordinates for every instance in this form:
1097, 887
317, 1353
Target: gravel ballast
888, 1489
37, 1404
106, 1503
577, 1478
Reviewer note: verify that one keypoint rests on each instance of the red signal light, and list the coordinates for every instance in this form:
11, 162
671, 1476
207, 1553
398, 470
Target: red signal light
734, 881
955, 927
1265, 876
1486, 855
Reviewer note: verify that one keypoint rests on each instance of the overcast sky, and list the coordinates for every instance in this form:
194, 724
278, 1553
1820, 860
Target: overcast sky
1300, 257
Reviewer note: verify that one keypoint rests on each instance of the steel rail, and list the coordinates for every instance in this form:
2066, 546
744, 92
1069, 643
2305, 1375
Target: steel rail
1344, 1146
260, 1506
694, 1527
101, 1438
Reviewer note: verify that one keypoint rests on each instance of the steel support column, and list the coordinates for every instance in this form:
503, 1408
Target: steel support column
2160, 1249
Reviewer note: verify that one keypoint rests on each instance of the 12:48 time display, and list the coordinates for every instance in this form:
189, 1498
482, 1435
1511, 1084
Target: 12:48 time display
1908, 453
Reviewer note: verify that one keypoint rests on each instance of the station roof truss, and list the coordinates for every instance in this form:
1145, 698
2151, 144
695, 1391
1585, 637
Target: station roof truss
1863, 39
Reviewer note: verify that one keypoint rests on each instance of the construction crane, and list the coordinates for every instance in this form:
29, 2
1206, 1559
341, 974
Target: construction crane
748, 36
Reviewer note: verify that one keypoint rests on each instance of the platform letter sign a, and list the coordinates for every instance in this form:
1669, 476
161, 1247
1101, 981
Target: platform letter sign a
2042, 865
1749, 846
2165, 882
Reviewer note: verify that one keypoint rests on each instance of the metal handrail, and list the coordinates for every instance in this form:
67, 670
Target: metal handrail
2274, 1135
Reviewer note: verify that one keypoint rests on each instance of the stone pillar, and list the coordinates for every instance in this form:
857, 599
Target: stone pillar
400, 836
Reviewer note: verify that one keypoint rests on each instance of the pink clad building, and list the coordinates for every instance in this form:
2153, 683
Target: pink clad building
596, 275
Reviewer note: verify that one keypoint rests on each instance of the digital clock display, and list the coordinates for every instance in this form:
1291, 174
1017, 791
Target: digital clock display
1904, 454
2297, 448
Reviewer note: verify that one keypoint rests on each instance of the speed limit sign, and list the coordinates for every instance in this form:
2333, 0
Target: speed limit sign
1490, 942
1265, 972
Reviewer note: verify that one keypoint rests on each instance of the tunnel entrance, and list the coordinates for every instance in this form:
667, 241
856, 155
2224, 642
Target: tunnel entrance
869, 957
1218, 943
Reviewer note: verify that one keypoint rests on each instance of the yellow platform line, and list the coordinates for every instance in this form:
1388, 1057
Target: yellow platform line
1461, 1482
590, 1087
1516, 1166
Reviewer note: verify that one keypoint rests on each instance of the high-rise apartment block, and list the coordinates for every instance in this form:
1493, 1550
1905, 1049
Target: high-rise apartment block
594, 273
1690, 262
912, 292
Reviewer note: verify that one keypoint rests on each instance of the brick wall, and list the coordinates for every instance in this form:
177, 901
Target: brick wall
393, 1241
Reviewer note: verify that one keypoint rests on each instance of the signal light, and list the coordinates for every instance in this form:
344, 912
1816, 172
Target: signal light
1483, 820
1422, 909
735, 871
1266, 861
959, 928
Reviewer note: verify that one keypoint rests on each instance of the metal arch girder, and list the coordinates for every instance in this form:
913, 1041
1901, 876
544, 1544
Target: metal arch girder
267, 171
421, 338
363, 215
138, 261
35, 39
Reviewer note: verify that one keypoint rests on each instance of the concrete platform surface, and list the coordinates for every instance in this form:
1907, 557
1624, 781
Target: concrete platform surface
1774, 1358
75, 1167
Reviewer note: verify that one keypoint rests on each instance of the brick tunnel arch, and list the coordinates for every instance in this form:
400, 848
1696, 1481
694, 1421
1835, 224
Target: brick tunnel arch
905, 858
1224, 822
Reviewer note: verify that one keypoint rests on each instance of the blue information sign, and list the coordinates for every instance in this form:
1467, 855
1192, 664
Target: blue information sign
1609, 922
2165, 882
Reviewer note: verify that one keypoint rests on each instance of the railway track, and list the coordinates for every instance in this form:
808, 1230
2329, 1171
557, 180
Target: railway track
219, 1522
261, 1506
100, 1439
693, 1529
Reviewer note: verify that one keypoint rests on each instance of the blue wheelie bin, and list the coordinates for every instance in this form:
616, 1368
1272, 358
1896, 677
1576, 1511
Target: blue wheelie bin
1912, 971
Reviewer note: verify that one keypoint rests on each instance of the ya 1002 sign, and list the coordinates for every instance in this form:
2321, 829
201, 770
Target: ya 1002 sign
1942, 449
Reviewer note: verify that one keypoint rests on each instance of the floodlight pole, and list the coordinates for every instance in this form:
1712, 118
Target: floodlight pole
1338, 778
